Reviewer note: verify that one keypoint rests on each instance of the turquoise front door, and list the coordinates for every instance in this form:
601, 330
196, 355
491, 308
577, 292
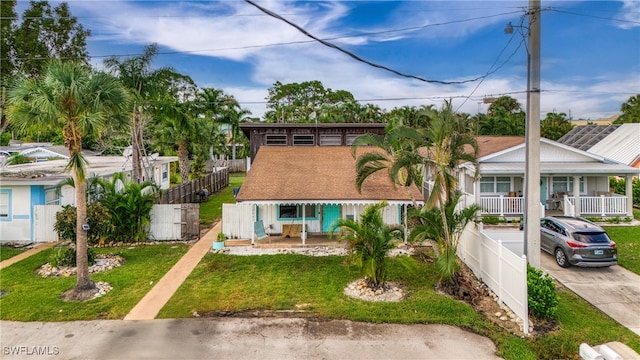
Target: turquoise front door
330, 212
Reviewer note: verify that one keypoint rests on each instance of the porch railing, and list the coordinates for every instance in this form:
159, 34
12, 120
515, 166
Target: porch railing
598, 205
502, 205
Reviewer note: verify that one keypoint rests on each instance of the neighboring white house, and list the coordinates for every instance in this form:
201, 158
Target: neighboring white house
500, 183
24, 186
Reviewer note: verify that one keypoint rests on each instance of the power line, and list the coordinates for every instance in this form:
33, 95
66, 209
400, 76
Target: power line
354, 56
491, 70
555, 9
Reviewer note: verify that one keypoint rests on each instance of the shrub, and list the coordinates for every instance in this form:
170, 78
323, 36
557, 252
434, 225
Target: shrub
619, 187
490, 220
543, 299
66, 256
98, 218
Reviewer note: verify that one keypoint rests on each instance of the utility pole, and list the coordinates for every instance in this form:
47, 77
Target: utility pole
532, 168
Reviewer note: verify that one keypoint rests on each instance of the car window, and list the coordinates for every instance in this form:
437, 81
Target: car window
591, 237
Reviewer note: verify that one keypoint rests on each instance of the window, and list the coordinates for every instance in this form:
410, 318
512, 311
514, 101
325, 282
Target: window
495, 184
51, 197
351, 138
5, 197
165, 172
303, 140
273, 139
294, 212
330, 140
565, 184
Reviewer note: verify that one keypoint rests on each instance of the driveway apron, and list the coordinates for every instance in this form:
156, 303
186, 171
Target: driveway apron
614, 290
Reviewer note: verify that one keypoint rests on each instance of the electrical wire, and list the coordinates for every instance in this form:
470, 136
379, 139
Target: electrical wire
555, 9
356, 57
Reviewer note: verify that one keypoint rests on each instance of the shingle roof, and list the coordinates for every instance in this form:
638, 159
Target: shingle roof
488, 145
281, 173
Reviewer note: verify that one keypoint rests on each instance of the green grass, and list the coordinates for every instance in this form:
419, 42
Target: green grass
33, 298
211, 210
7, 252
223, 283
627, 240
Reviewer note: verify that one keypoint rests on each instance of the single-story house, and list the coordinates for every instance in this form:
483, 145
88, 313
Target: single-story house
300, 190
563, 170
25, 186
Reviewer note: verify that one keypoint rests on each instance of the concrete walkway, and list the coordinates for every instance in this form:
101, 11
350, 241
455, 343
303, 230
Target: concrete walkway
25, 254
150, 305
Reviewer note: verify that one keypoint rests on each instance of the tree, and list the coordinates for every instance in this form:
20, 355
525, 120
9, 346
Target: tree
504, 117
78, 101
630, 111
368, 242
555, 125
129, 205
435, 152
301, 102
147, 87
44, 34
430, 226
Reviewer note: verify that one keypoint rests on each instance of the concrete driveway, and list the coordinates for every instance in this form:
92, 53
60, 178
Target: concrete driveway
238, 338
614, 290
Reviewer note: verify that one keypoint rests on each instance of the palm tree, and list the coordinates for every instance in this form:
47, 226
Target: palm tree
369, 241
430, 226
78, 101
409, 153
145, 87
129, 204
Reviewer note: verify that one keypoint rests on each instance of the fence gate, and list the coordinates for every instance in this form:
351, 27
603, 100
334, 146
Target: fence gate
45, 218
190, 218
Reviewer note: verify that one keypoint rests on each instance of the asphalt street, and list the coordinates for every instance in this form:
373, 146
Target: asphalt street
238, 338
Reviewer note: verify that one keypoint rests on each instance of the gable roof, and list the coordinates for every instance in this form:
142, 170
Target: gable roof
622, 145
319, 173
585, 136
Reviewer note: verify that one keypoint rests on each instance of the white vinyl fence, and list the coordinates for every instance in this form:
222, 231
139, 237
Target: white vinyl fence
237, 220
497, 266
166, 222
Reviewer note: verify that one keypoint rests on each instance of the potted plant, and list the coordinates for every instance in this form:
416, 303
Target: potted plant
219, 243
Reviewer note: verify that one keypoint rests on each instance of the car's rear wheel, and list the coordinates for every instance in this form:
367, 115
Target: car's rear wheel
561, 258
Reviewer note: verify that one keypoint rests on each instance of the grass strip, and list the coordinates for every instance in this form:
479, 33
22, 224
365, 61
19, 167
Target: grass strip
30, 297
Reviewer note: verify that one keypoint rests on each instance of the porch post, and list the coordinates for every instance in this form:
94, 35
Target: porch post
303, 233
629, 194
406, 228
576, 195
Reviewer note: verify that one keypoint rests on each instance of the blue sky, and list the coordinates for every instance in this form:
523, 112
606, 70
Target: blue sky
590, 49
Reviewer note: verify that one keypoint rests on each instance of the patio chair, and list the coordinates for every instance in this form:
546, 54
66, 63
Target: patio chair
259, 230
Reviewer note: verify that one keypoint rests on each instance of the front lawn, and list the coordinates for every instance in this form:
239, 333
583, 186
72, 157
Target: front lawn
7, 252
627, 240
33, 298
313, 286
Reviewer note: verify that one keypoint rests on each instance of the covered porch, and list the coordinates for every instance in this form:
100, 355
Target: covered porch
557, 195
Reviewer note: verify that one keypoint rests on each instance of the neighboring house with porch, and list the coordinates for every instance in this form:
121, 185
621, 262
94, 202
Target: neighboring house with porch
23, 187
302, 178
563, 169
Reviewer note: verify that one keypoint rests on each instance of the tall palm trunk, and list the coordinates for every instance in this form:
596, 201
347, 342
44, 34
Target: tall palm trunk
82, 261
183, 161
135, 147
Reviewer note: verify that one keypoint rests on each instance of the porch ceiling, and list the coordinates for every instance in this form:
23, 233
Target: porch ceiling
560, 168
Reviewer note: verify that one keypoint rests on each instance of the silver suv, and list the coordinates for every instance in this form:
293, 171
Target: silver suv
576, 241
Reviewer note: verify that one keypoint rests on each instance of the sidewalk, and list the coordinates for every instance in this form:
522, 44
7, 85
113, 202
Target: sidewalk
25, 254
150, 305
